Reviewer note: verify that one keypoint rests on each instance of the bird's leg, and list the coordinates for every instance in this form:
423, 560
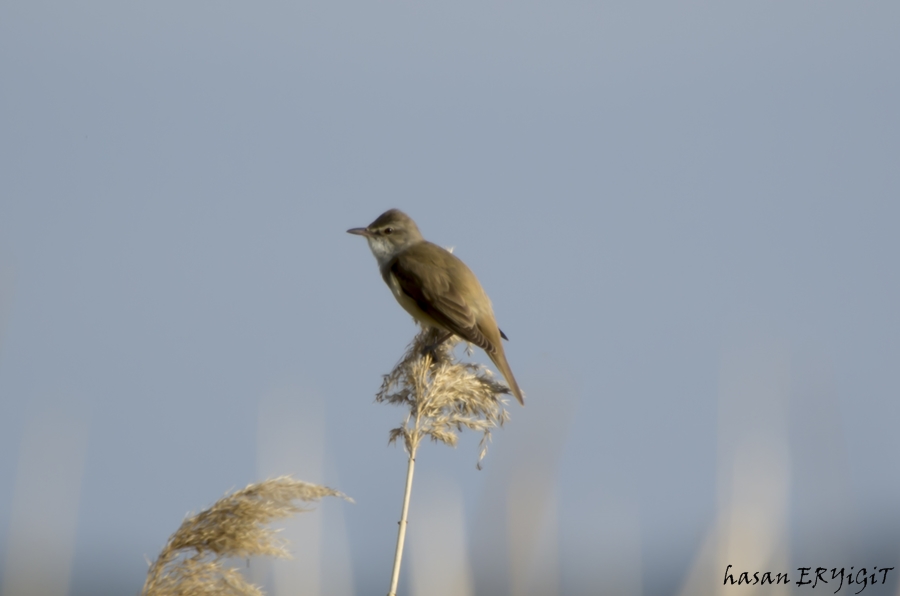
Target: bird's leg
430, 348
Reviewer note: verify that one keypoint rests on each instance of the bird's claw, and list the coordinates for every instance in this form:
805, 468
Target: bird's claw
432, 347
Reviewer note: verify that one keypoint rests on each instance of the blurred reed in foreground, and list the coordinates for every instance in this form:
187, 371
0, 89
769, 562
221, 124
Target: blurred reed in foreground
443, 396
234, 527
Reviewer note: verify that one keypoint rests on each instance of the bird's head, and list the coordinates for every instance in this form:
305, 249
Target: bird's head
391, 233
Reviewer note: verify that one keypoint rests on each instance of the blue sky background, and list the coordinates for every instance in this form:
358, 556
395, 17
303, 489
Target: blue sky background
647, 190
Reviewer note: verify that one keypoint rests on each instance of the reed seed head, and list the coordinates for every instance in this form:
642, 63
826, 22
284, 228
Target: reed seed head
443, 395
234, 527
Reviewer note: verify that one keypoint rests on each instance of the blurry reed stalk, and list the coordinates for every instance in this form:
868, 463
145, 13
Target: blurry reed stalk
443, 396
235, 526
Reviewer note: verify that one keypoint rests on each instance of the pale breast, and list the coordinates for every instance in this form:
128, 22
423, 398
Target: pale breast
408, 304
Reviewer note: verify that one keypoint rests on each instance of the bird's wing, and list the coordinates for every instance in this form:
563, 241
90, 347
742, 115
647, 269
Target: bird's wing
431, 287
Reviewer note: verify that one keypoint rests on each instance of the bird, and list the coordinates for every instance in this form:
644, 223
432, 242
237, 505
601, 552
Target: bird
436, 287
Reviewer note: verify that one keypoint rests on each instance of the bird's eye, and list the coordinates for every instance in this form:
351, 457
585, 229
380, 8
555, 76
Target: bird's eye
389, 230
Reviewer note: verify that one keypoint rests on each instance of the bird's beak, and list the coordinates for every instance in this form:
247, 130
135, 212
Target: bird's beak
360, 232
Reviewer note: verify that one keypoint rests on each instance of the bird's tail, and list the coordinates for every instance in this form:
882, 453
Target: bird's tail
499, 360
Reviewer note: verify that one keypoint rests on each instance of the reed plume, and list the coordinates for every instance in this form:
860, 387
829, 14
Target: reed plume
443, 396
234, 527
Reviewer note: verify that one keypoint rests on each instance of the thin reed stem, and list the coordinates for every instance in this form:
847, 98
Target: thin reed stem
444, 396
401, 532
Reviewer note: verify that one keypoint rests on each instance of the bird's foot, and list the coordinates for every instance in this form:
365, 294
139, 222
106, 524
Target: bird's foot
432, 347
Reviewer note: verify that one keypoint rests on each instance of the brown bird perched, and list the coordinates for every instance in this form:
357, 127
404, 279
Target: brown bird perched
435, 287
